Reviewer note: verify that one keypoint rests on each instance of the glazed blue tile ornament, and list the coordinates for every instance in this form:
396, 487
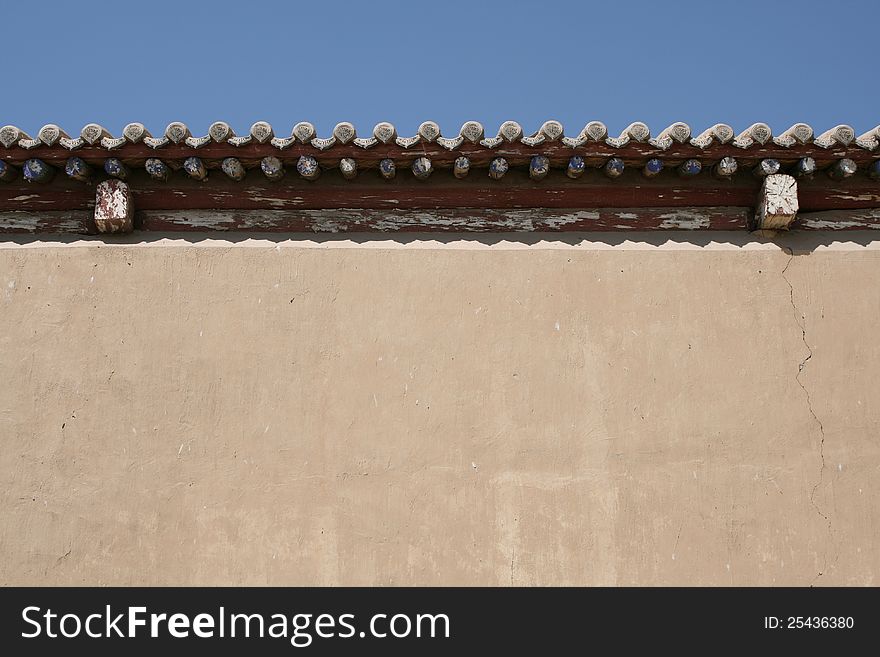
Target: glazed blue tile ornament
539, 167
387, 169
195, 168
805, 167
614, 167
77, 169
726, 168
307, 167
273, 168
348, 168
422, 168
497, 168
690, 168
652, 167
37, 171
233, 168
114, 168
844, 168
157, 169
767, 167
576, 167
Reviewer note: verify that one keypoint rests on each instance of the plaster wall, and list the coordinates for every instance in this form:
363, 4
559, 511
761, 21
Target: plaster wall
632, 409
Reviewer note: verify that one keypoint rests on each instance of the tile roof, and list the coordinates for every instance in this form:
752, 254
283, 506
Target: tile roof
509, 181
758, 134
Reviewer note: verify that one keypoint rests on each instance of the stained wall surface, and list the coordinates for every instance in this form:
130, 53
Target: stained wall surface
628, 409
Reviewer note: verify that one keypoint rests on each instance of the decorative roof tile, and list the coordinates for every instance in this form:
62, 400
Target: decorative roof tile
10, 135
799, 133
93, 133
720, 133
176, 132
637, 131
870, 140
262, 132
757, 133
841, 134
677, 132
136, 132
385, 132
50, 134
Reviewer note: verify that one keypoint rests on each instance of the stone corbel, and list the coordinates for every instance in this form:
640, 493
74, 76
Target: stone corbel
113, 207
777, 204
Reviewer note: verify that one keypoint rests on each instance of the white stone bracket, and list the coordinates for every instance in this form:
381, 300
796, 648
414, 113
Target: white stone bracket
113, 207
777, 204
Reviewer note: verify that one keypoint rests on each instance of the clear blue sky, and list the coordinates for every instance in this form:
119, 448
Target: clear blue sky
617, 61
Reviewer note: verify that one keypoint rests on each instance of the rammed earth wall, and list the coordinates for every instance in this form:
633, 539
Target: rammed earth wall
524, 409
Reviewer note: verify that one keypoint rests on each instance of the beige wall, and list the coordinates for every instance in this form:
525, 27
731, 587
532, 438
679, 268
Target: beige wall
417, 412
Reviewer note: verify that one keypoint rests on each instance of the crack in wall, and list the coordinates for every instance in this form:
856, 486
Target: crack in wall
799, 319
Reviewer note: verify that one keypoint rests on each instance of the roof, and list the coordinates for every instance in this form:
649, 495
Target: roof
758, 134
717, 179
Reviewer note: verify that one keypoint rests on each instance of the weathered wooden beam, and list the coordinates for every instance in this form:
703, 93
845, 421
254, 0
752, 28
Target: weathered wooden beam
840, 220
515, 190
113, 207
778, 203
447, 220
51, 221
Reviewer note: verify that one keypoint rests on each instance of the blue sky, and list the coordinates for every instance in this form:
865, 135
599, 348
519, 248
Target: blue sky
618, 61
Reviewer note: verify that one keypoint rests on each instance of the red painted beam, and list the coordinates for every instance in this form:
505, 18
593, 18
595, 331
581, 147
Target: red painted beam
516, 190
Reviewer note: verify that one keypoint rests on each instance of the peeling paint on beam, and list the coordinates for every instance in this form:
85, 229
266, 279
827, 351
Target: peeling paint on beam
516, 190
52, 221
839, 220
453, 219
460, 219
